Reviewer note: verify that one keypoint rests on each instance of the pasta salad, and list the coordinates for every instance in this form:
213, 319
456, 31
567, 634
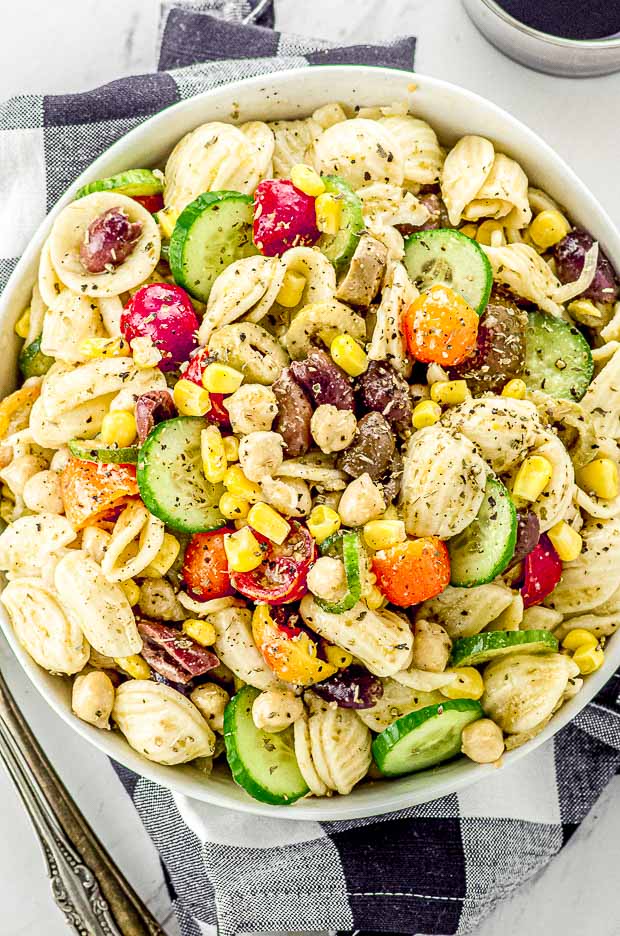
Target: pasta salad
314, 464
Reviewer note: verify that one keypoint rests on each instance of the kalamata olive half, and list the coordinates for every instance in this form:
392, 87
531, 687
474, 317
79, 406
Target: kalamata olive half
383, 390
294, 414
500, 352
570, 255
323, 380
372, 448
438, 215
110, 239
152, 408
352, 688
528, 534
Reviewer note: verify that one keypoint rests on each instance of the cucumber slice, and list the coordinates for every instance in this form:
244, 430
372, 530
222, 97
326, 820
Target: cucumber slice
351, 550
451, 259
92, 450
340, 247
558, 359
32, 361
424, 738
471, 651
483, 549
263, 764
210, 234
133, 182
171, 480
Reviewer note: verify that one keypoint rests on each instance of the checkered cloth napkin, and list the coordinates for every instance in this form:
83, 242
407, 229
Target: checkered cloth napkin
432, 869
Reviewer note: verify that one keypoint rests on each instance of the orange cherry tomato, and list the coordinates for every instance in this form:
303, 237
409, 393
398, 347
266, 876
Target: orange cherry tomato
288, 652
413, 571
205, 565
90, 490
440, 327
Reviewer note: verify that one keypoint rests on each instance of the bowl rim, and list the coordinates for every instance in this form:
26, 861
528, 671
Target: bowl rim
605, 43
186, 781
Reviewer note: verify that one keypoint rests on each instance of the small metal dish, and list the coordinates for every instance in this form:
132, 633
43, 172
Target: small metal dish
571, 58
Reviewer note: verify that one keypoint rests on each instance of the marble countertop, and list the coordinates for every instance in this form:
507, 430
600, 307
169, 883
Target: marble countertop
76, 44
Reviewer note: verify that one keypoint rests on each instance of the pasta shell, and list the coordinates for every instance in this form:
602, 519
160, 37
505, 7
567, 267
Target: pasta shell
48, 633
443, 483
594, 576
27, 544
340, 748
602, 399
100, 607
83, 422
303, 755
504, 191
502, 429
554, 502
388, 339
67, 323
317, 317
397, 700
360, 151
465, 171
261, 135
251, 349
65, 390
238, 289
235, 648
37, 313
525, 273
523, 689
423, 156
317, 271
49, 283
134, 523
160, 723
294, 142
464, 612
423, 681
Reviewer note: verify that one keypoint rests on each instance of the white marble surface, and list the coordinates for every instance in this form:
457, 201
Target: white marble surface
74, 44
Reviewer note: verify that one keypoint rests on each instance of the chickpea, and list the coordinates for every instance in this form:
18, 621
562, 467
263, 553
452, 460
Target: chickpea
251, 408
42, 493
333, 429
158, 600
361, 501
431, 647
276, 709
17, 474
95, 542
211, 700
92, 699
60, 459
482, 741
291, 498
327, 579
260, 454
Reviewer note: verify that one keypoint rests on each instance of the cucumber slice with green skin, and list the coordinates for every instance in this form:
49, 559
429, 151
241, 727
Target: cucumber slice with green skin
210, 234
424, 738
449, 258
91, 450
483, 549
472, 651
171, 480
32, 361
351, 548
133, 182
263, 764
340, 247
558, 359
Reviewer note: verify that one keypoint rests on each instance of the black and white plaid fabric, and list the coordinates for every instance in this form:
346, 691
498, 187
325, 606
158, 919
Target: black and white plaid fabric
433, 869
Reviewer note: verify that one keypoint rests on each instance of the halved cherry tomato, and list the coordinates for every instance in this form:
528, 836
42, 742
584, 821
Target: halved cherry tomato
294, 659
193, 370
91, 489
152, 203
440, 327
164, 313
413, 571
542, 570
205, 566
281, 578
284, 217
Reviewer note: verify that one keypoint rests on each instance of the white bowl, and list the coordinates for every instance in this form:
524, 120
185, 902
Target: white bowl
452, 111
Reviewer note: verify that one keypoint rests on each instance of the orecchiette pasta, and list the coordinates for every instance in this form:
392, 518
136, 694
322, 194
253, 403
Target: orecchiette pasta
136, 539
502, 429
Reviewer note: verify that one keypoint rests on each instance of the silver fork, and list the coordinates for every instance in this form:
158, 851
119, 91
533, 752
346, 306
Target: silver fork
95, 897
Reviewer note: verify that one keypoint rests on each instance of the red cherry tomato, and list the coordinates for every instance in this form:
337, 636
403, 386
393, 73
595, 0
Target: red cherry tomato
281, 578
152, 203
205, 566
542, 570
165, 314
283, 217
193, 371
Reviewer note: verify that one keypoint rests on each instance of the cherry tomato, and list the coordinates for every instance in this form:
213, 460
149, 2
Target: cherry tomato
165, 314
283, 217
440, 327
152, 203
413, 571
281, 578
90, 490
205, 566
292, 658
193, 371
542, 570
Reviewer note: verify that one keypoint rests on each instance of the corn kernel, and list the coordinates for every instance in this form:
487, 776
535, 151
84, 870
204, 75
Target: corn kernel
515, 389
584, 308
291, 290
426, 413
165, 558
469, 230
203, 632
145, 353
532, 478
92, 348
213, 454
231, 448
22, 325
190, 399
167, 220
328, 213
348, 355
566, 541
600, 478
381, 534
307, 180
467, 685
132, 591
243, 550
548, 227
323, 522
491, 234
337, 657
374, 598
579, 637
220, 378
118, 428
267, 521
135, 666
233, 507
236, 483
449, 392
589, 659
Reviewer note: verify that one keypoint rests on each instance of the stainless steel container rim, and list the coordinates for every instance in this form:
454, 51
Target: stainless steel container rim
598, 44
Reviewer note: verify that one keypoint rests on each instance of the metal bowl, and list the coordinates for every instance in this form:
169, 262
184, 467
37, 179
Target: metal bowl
572, 58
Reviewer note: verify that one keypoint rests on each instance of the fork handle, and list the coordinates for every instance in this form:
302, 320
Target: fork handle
95, 897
